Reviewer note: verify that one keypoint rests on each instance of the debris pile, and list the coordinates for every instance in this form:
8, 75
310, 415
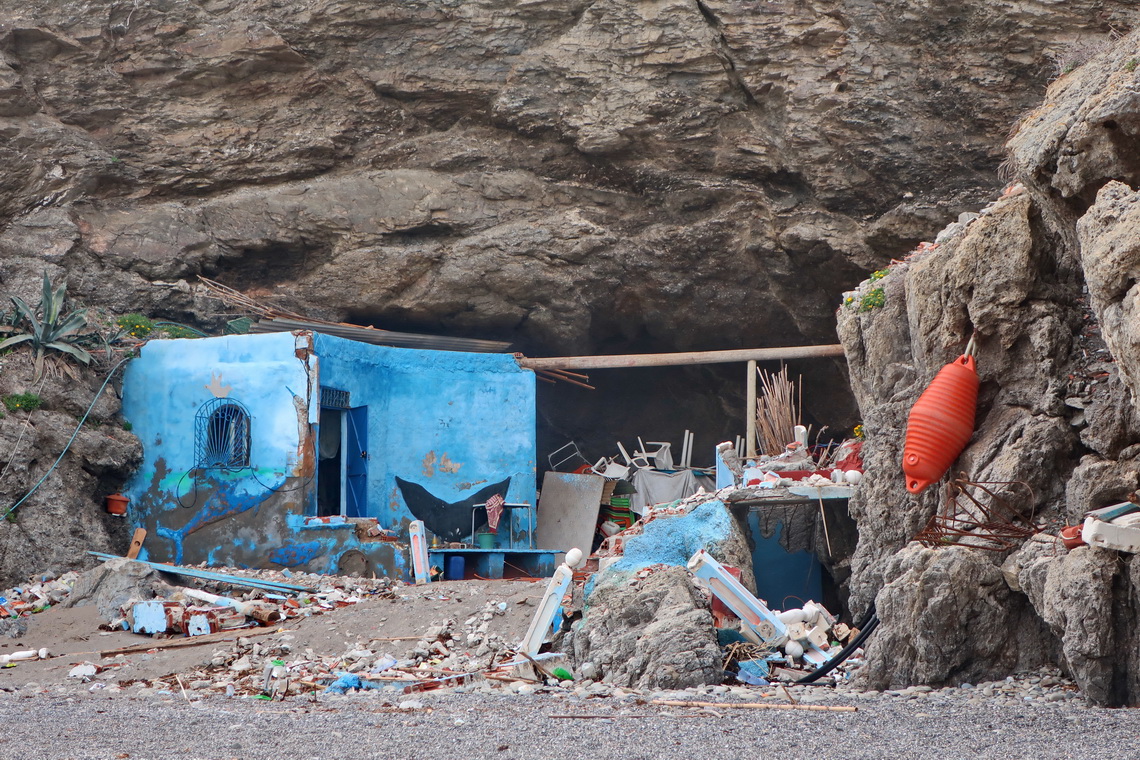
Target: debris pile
198, 611
37, 595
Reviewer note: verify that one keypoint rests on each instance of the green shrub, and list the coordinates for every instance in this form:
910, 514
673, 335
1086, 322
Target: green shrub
879, 274
1132, 64
128, 426
180, 331
135, 325
27, 402
872, 299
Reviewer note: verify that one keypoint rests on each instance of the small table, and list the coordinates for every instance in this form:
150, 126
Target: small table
510, 534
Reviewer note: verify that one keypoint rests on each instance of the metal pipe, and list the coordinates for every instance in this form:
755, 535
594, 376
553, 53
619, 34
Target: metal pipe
750, 411
678, 359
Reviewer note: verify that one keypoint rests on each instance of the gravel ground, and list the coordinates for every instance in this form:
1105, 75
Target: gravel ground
945, 724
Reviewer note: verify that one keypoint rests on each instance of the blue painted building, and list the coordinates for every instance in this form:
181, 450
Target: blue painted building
309, 451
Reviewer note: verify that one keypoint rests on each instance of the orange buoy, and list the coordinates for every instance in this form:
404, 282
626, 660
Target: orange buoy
940, 423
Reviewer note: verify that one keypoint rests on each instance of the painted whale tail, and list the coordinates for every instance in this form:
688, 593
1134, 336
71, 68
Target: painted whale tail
448, 520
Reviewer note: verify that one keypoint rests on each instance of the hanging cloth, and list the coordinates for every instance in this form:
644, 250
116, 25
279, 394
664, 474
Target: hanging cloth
495, 512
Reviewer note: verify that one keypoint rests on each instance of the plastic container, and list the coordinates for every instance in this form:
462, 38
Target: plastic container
1071, 536
455, 568
116, 504
485, 540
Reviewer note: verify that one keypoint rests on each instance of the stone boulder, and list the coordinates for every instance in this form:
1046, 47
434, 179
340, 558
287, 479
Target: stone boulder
1072, 591
645, 621
114, 583
947, 616
1109, 237
993, 280
655, 633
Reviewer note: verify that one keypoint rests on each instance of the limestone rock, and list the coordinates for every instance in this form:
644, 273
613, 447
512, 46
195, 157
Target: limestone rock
112, 584
574, 177
653, 634
64, 517
1073, 593
980, 280
1057, 405
1110, 257
948, 616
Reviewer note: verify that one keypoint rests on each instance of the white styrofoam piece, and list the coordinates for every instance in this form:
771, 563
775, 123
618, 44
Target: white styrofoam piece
1122, 534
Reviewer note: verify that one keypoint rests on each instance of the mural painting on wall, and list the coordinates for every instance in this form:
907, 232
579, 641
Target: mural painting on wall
448, 520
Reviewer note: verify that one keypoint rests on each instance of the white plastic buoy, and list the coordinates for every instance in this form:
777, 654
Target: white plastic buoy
574, 557
853, 477
794, 649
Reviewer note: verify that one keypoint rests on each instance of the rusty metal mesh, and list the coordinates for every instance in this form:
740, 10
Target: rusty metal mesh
982, 515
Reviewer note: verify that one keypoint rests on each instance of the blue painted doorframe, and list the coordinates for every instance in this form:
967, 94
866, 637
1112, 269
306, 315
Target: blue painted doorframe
356, 473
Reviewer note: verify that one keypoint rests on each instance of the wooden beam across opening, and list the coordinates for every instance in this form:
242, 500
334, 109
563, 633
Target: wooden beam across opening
679, 359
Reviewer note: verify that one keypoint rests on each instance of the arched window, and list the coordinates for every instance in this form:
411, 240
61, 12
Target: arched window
221, 435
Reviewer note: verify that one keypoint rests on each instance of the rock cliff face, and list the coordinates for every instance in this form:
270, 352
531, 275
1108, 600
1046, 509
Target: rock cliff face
54, 526
573, 176
1046, 279
661, 175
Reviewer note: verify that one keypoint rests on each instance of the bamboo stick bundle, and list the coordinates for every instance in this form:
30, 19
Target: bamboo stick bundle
777, 411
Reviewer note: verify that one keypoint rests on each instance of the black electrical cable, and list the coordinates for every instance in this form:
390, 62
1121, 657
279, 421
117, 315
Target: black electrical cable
869, 624
281, 488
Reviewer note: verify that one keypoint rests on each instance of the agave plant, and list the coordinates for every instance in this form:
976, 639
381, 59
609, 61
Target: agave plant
50, 329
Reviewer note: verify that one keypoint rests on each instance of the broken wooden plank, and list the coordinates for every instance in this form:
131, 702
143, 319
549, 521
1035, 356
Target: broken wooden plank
209, 575
191, 641
754, 705
136, 543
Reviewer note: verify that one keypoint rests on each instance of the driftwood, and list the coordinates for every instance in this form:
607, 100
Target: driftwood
754, 705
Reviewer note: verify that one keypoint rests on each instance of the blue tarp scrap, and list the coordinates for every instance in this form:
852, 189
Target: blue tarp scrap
349, 681
753, 672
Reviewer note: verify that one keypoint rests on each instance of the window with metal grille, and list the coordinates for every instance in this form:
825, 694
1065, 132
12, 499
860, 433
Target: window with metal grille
335, 399
221, 435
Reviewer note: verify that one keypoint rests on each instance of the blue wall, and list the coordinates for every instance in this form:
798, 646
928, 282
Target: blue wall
163, 390
452, 423
448, 422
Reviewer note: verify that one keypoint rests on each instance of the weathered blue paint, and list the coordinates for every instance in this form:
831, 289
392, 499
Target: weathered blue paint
784, 579
673, 540
293, 555
450, 422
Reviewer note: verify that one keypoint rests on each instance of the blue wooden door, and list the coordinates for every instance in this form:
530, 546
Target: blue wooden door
356, 470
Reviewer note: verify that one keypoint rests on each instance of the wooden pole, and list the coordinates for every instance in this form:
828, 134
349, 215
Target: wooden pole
750, 410
684, 358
